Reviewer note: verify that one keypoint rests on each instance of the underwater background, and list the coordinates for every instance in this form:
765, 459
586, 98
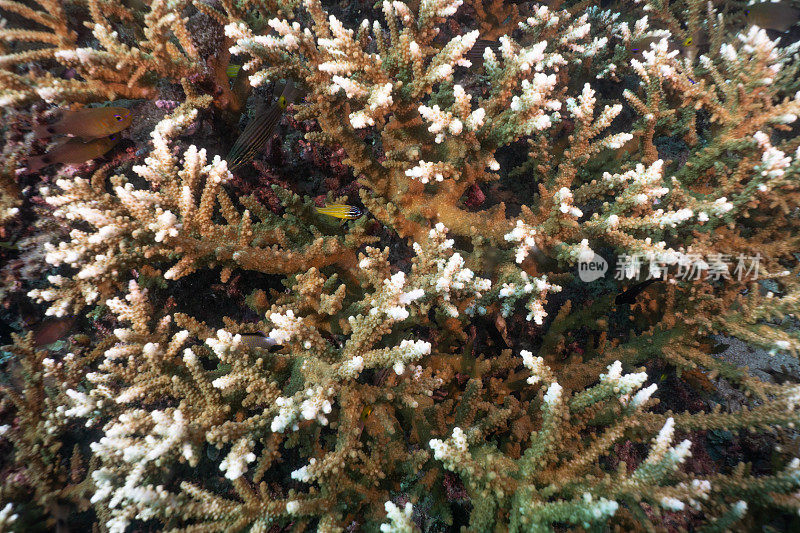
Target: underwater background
421, 266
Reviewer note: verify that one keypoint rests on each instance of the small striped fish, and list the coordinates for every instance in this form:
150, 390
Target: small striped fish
339, 211
475, 54
259, 130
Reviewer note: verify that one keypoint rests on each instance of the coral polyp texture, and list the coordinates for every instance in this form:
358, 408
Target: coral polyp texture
555, 286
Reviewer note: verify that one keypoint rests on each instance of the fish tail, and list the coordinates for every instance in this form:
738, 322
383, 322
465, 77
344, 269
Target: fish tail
238, 156
35, 163
43, 130
339, 211
233, 164
326, 211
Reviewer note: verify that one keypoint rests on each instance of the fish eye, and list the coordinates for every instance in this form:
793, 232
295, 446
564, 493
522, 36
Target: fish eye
688, 41
282, 101
118, 117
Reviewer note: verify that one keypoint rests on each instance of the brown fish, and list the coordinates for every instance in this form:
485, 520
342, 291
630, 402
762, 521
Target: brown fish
257, 340
695, 44
88, 123
241, 85
259, 130
73, 152
778, 16
643, 45
51, 330
689, 47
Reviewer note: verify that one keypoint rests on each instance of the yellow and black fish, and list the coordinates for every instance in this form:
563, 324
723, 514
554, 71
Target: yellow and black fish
73, 151
257, 340
233, 70
339, 211
778, 16
259, 130
88, 123
695, 44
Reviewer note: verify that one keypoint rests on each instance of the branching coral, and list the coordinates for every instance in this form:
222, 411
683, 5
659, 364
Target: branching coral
553, 483
463, 137
289, 394
38, 391
457, 373
174, 217
113, 70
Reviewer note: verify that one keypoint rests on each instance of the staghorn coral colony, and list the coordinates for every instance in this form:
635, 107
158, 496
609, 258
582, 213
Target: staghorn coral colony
477, 265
